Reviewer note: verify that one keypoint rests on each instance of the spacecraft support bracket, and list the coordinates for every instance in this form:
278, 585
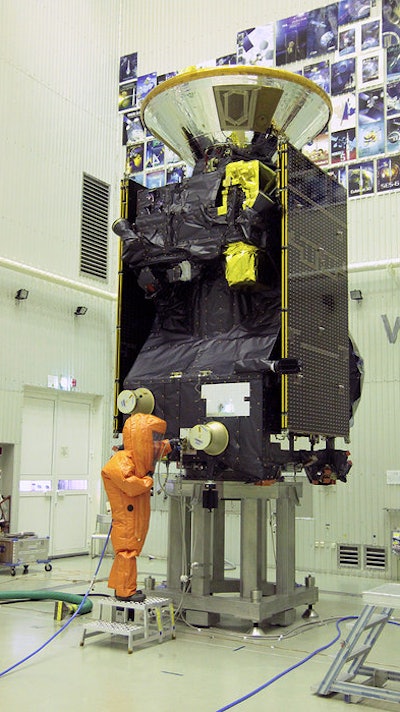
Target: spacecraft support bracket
197, 534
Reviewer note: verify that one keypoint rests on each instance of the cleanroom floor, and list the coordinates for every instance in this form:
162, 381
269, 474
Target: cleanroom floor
202, 670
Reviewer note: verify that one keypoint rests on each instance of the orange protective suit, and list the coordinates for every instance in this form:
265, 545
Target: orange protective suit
127, 481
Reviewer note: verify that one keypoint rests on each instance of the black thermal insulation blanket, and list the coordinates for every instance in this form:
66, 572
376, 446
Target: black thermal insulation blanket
203, 325
200, 325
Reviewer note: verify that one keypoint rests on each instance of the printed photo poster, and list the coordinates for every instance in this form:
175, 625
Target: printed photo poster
361, 179
339, 173
322, 30
353, 10
393, 98
370, 35
393, 63
371, 105
126, 96
155, 179
133, 130
343, 146
317, 150
388, 173
371, 128
145, 84
343, 112
134, 159
128, 68
319, 73
154, 153
390, 22
170, 155
347, 41
256, 46
370, 69
291, 39
138, 178
227, 59
371, 139
163, 77
343, 76
396, 543
175, 174
393, 135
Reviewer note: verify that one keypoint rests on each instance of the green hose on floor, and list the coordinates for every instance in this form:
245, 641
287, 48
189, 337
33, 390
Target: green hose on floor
49, 596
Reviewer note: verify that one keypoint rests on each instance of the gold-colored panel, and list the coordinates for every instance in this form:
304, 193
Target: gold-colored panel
246, 108
268, 99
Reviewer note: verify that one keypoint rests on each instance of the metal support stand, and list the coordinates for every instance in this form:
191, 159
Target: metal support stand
349, 663
153, 619
310, 613
197, 537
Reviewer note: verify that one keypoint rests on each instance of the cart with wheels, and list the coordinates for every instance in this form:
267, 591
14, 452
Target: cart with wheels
23, 549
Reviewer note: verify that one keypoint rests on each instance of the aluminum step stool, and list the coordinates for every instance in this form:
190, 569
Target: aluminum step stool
380, 603
153, 620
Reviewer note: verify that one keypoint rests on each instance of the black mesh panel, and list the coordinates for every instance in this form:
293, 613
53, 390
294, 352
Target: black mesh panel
318, 398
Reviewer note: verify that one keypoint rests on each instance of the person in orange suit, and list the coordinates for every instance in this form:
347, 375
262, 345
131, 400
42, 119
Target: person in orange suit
127, 479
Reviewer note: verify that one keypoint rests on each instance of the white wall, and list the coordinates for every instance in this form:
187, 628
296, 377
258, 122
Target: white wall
59, 64
176, 34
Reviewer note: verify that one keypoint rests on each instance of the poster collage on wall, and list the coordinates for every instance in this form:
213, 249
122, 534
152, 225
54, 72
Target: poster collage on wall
350, 48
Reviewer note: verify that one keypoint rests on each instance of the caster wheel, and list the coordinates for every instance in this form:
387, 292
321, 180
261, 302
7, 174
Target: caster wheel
48, 567
26, 569
12, 572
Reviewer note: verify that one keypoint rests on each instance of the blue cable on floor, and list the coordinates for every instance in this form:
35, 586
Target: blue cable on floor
293, 667
44, 645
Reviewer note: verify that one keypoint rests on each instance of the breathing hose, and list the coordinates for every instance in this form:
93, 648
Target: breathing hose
48, 596
84, 607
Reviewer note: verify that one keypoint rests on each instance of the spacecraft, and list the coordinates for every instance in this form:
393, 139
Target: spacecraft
234, 296
233, 329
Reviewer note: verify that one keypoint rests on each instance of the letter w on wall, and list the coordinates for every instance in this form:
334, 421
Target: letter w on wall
391, 333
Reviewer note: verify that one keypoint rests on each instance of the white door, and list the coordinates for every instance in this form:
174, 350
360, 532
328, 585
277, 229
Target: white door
36, 474
54, 480
70, 521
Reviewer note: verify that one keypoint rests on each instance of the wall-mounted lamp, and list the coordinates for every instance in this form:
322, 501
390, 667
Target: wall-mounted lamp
80, 311
356, 295
22, 294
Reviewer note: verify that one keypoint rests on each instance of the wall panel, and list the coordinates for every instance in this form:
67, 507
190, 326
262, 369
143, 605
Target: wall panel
58, 119
180, 33
58, 70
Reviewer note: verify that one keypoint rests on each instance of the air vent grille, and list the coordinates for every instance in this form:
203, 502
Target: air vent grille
374, 557
349, 556
94, 227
